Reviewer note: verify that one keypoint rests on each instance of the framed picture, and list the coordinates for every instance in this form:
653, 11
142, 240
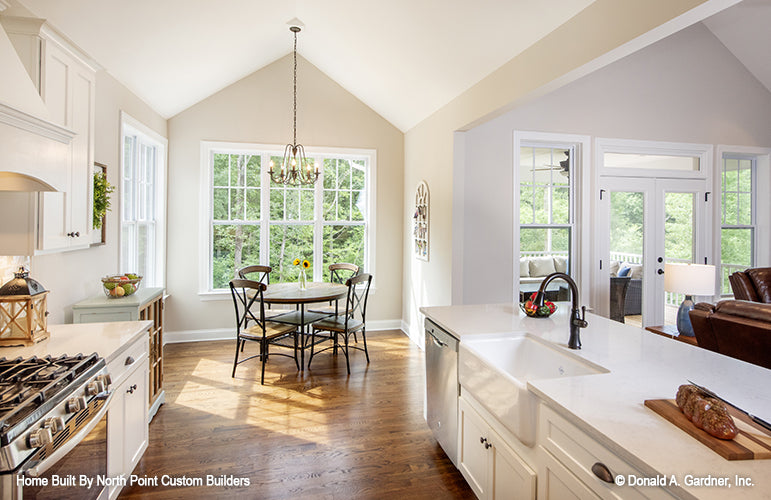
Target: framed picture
102, 190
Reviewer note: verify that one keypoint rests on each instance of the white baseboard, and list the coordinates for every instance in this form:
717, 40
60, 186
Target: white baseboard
230, 333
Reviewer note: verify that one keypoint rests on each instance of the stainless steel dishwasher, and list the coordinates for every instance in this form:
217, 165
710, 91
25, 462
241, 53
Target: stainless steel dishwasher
442, 389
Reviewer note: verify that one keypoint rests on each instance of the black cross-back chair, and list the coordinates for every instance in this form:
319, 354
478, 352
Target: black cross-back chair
247, 294
338, 273
351, 321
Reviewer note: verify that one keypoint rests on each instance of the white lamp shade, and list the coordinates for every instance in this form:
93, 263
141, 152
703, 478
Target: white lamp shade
689, 279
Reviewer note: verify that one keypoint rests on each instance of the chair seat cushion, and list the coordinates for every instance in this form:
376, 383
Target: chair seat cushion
337, 324
272, 330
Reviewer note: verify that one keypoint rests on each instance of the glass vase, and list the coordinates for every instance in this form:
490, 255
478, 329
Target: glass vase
301, 279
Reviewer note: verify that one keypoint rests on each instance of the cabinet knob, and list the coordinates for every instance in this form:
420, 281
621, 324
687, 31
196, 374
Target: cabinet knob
131, 389
482, 440
129, 361
601, 471
74, 234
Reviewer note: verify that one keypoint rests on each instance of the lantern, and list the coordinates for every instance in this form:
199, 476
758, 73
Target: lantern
23, 311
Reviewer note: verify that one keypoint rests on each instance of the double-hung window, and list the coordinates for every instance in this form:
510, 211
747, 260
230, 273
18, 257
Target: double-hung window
546, 215
143, 202
249, 219
738, 222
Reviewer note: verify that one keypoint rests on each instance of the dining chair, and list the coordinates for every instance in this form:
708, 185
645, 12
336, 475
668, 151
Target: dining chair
266, 333
338, 273
351, 321
262, 272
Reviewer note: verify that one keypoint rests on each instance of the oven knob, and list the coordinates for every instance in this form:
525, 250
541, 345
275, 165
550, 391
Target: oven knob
94, 388
76, 404
55, 424
106, 380
40, 437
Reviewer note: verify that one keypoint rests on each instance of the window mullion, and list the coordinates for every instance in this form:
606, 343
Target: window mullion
318, 226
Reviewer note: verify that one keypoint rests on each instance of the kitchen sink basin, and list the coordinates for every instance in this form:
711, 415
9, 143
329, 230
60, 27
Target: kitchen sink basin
496, 369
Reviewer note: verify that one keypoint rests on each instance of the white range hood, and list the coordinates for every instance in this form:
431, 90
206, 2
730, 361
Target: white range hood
34, 152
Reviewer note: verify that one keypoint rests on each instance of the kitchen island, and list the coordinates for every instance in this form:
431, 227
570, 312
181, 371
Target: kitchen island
609, 407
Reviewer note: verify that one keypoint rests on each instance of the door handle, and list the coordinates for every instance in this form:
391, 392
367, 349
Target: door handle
438, 342
660, 271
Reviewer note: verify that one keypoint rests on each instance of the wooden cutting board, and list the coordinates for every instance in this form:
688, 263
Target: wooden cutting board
752, 443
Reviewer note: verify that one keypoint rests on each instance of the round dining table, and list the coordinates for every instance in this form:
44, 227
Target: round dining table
291, 293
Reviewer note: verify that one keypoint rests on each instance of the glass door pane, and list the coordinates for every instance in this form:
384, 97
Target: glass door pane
679, 244
627, 252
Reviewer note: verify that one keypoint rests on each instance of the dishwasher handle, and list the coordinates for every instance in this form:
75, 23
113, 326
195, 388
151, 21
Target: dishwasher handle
436, 341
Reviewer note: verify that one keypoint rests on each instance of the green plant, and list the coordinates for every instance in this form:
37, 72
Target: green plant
102, 192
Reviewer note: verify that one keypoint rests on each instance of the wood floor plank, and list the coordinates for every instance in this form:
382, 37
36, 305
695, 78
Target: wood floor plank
316, 434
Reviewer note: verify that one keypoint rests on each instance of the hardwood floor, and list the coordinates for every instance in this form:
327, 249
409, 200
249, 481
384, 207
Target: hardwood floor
320, 434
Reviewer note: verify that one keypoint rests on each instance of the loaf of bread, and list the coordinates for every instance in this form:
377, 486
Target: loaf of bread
705, 412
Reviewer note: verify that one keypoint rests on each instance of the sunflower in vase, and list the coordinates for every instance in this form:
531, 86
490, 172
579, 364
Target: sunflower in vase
304, 264
532, 310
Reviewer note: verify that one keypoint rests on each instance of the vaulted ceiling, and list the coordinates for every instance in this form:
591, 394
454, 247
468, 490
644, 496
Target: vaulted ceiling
403, 58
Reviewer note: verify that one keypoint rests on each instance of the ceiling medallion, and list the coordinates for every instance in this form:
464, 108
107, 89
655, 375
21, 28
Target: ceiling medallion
296, 169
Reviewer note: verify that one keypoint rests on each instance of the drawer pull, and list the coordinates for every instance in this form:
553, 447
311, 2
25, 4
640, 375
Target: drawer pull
131, 389
601, 471
129, 361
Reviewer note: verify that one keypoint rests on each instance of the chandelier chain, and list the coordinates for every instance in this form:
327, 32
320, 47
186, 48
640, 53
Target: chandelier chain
294, 127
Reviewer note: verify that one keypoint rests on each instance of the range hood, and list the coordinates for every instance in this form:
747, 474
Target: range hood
34, 151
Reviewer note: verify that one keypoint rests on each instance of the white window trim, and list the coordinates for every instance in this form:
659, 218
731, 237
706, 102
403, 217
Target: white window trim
129, 123
205, 209
609, 145
579, 202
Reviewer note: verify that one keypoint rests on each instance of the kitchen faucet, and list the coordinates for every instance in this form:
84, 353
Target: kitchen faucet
576, 317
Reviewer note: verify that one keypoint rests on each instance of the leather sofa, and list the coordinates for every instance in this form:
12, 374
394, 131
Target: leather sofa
737, 328
752, 284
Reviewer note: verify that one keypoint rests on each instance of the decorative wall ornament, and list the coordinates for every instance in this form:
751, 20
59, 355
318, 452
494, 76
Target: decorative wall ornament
421, 221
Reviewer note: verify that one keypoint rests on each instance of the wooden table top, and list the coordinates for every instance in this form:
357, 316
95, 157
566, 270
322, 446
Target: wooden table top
671, 332
290, 293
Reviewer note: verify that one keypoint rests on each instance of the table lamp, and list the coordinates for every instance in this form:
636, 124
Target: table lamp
688, 279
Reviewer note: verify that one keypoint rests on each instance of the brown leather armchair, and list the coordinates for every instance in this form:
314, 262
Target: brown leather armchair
752, 284
736, 328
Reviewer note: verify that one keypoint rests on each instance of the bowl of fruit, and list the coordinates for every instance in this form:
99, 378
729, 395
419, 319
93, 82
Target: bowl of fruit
120, 285
535, 311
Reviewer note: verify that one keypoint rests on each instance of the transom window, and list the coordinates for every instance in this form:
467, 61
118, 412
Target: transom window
737, 231
253, 220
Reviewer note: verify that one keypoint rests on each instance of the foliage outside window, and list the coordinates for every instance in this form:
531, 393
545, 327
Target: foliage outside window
737, 231
102, 192
545, 206
256, 221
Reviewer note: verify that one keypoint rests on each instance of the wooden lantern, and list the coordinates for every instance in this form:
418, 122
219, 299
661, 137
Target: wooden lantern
23, 311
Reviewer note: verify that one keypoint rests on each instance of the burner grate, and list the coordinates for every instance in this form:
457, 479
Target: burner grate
31, 387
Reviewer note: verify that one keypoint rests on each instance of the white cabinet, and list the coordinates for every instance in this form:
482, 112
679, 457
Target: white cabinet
489, 464
571, 463
65, 78
127, 429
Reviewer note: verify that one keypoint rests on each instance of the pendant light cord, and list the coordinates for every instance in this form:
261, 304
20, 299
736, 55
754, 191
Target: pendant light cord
294, 142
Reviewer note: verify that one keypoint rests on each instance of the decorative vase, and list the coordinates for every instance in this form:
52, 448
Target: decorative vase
301, 279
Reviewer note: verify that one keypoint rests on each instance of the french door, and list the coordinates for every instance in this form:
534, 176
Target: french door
645, 223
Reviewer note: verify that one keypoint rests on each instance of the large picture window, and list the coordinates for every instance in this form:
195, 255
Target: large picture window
252, 220
143, 202
737, 231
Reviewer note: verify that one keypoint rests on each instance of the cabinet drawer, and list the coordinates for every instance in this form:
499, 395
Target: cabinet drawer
578, 452
102, 317
122, 365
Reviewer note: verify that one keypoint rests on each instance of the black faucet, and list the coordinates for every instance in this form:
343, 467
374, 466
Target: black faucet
576, 317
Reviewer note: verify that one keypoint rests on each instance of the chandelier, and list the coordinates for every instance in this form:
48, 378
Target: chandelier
296, 169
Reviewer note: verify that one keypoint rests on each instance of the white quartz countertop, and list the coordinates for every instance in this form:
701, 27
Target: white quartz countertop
643, 365
109, 340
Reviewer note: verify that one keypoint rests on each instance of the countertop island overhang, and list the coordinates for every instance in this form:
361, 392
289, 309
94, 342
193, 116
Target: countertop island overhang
610, 406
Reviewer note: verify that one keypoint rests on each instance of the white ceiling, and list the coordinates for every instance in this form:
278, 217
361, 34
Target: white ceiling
403, 58
744, 30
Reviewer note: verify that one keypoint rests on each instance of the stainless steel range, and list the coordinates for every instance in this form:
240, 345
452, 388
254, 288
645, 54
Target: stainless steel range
52, 426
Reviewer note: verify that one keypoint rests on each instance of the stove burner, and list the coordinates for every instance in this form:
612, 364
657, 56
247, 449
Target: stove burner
31, 387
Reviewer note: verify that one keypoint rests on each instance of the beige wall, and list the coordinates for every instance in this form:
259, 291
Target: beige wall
605, 31
74, 276
258, 109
